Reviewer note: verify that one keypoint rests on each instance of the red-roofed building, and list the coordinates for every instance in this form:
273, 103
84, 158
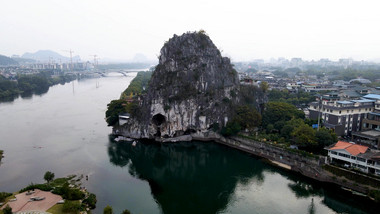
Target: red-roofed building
355, 156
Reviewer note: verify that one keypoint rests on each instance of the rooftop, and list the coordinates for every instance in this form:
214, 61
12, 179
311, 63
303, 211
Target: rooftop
363, 101
372, 96
353, 149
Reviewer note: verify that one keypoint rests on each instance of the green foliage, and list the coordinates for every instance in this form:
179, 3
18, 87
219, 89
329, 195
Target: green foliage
4, 195
69, 193
299, 98
91, 201
114, 108
4, 60
325, 137
108, 210
215, 127
279, 111
7, 210
126, 212
71, 206
281, 74
249, 94
304, 137
232, 128
49, 176
31, 83
349, 74
288, 127
136, 87
247, 117
264, 86
44, 187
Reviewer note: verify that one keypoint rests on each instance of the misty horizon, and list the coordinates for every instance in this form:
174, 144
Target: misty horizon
243, 31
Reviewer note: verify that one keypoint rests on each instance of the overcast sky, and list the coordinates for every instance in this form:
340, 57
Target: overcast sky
242, 29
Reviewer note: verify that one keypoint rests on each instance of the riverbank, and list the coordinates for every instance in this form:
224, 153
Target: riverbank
311, 166
60, 195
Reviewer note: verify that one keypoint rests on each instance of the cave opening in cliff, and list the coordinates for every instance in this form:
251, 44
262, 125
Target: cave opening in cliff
158, 120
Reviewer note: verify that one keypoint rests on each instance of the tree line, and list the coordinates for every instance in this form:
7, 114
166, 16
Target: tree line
31, 83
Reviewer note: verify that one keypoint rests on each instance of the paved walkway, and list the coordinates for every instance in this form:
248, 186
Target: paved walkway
23, 203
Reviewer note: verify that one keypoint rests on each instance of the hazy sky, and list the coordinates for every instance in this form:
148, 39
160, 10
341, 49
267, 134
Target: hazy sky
243, 29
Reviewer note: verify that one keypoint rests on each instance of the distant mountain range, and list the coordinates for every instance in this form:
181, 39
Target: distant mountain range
4, 60
49, 56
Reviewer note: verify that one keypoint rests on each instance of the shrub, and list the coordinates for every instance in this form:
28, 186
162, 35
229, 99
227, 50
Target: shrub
7, 210
108, 210
126, 212
91, 201
4, 195
71, 206
44, 187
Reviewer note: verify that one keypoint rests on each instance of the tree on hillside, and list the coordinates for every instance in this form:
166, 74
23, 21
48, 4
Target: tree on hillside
325, 137
264, 86
49, 176
108, 210
247, 117
288, 127
279, 111
304, 137
114, 108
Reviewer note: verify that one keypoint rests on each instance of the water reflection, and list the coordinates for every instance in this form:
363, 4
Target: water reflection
336, 198
188, 177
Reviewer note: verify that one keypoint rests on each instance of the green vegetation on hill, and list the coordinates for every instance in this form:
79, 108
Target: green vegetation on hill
4, 60
138, 84
33, 83
4, 195
349, 74
297, 99
135, 88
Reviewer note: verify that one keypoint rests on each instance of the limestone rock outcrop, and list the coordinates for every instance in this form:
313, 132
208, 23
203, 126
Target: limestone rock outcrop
192, 89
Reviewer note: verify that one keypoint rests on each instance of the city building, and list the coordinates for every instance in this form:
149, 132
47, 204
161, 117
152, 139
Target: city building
344, 117
355, 156
370, 131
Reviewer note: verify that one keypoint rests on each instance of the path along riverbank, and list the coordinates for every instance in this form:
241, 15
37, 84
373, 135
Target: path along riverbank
312, 166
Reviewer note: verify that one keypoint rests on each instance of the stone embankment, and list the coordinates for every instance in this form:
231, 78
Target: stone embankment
308, 166
311, 167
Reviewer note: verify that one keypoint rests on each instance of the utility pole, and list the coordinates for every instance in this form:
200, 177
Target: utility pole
319, 110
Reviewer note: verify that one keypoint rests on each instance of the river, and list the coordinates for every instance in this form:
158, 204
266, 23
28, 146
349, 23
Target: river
64, 131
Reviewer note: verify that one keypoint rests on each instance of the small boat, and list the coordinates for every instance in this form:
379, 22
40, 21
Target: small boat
134, 143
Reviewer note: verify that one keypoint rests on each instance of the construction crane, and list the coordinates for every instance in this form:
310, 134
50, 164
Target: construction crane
95, 61
71, 58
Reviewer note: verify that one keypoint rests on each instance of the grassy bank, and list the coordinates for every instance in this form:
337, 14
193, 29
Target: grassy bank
76, 198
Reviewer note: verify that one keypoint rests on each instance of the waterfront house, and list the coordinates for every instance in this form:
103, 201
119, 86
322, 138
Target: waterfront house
355, 156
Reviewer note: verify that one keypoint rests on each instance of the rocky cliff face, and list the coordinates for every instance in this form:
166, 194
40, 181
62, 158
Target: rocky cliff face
192, 88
